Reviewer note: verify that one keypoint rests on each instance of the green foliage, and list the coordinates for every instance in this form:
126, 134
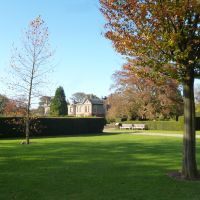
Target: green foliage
198, 107
14, 126
198, 114
166, 125
58, 104
110, 120
160, 125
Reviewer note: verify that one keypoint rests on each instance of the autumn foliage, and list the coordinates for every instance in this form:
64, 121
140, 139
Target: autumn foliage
165, 36
156, 33
14, 108
139, 97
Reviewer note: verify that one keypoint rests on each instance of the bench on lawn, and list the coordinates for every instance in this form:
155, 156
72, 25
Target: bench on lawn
126, 126
139, 126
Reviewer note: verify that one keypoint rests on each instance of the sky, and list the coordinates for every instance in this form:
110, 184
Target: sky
84, 59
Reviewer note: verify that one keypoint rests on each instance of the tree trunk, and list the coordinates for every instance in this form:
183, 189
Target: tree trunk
27, 130
29, 103
189, 167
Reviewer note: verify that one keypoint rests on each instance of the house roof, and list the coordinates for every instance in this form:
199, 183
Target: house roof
94, 101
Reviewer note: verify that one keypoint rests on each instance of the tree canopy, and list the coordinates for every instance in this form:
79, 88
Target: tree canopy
58, 105
140, 97
79, 97
161, 34
165, 36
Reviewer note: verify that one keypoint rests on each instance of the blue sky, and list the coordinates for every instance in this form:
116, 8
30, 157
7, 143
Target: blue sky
84, 59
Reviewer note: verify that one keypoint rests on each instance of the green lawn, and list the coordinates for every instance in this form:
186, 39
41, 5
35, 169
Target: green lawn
146, 131
107, 167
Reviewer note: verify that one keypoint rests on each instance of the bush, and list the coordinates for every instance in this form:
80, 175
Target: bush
166, 125
14, 126
110, 120
160, 125
121, 119
197, 114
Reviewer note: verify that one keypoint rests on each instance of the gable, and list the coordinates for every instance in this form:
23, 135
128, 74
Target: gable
87, 101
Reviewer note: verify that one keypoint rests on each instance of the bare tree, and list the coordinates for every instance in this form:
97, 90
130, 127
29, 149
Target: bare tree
30, 65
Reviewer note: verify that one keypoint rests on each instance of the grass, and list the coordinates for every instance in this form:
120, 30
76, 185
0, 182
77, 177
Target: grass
111, 166
147, 131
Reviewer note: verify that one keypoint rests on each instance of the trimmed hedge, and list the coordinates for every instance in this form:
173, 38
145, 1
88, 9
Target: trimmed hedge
197, 123
14, 126
160, 125
166, 125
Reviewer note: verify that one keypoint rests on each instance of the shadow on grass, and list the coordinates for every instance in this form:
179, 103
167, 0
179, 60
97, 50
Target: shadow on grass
117, 167
67, 135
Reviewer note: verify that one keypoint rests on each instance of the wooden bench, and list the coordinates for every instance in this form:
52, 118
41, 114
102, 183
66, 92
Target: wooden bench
139, 126
126, 126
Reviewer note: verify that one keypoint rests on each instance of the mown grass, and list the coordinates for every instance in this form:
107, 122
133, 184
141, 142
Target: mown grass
111, 166
145, 131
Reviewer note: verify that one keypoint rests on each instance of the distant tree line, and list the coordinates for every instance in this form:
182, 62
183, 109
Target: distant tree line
12, 107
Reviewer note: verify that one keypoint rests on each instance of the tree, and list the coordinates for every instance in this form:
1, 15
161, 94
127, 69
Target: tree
120, 106
44, 105
3, 101
144, 97
45, 100
30, 64
58, 105
15, 108
164, 35
78, 97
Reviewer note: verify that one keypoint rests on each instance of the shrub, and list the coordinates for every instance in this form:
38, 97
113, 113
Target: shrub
121, 119
166, 125
14, 126
110, 120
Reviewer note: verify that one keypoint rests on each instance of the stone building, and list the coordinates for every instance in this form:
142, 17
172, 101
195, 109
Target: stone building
89, 107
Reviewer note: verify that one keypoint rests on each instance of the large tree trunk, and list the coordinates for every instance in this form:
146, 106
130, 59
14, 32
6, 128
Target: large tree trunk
189, 168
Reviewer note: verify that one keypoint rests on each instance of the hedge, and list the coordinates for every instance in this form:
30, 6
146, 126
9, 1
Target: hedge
14, 126
165, 125
197, 123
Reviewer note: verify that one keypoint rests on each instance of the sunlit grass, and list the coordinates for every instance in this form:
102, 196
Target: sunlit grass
146, 131
109, 166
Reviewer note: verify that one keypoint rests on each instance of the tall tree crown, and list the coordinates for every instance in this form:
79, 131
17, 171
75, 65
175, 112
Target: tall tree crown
162, 34
30, 63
